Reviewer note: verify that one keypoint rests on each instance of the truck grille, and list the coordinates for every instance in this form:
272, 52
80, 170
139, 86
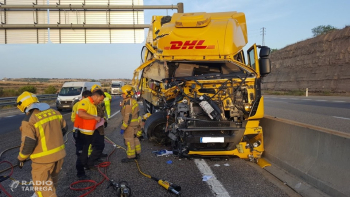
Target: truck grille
66, 102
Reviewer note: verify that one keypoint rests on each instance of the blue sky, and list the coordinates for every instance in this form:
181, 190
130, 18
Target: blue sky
286, 22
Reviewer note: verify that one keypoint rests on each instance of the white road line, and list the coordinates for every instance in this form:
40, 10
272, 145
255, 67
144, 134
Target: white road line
339, 101
306, 99
283, 98
341, 118
9, 116
216, 187
115, 113
294, 99
320, 100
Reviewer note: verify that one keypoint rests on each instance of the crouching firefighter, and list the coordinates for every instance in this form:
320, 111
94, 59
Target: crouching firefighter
131, 125
42, 132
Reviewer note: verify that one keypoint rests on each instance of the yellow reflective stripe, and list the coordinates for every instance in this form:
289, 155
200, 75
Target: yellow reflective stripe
125, 125
41, 129
40, 194
130, 151
23, 156
134, 120
138, 147
45, 153
134, 106
86, 130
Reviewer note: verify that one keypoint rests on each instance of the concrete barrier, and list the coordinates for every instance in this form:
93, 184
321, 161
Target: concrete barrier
319, 156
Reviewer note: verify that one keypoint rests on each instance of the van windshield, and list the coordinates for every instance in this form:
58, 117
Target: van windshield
116, 85
70, 91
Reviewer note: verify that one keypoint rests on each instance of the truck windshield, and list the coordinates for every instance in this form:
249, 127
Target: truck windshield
116, 85
70, 91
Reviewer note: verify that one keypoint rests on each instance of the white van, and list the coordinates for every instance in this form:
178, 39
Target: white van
71, 92
116, 87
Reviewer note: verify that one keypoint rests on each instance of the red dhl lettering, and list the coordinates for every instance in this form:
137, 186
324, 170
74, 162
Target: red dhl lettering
188, 44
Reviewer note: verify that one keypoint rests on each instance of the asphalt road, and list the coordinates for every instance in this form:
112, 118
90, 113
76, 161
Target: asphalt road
231, 177
330, 112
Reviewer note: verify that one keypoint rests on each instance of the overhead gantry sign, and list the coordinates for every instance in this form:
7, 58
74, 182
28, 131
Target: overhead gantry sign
74, 21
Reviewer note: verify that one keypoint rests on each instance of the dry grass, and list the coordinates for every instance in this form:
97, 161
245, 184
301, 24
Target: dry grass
12, 85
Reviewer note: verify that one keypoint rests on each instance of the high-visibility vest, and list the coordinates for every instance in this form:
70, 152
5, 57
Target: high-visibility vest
86, 126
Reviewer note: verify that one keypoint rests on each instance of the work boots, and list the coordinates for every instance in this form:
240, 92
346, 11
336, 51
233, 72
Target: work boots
126, 160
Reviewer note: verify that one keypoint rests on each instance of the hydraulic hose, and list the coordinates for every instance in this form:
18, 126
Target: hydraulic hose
167, 185
3, 178
95, 184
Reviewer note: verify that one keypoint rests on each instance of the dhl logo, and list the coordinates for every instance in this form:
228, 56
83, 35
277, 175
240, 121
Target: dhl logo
189, 44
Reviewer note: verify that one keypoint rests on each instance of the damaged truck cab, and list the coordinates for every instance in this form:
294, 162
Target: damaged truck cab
203, 97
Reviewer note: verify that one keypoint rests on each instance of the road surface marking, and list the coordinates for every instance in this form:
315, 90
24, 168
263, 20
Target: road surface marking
341, 118
306, 99
115, 114
320, 100
339, 101
216, 187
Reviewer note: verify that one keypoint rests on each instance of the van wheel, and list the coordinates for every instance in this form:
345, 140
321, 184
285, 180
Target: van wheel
155, 128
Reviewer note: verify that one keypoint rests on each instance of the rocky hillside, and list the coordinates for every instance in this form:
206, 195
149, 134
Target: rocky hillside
321, 64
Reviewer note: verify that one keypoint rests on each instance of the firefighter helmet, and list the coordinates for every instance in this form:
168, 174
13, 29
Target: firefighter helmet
95, 87
26, 99
128, 90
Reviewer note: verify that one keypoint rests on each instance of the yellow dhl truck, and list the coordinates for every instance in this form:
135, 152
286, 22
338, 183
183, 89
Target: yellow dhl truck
203, 96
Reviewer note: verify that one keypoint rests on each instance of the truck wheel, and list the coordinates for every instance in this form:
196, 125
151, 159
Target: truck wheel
155, 127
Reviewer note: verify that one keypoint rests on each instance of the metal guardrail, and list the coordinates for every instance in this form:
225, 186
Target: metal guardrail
12, 100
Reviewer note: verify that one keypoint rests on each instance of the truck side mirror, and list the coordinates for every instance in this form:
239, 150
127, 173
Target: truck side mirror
264, 61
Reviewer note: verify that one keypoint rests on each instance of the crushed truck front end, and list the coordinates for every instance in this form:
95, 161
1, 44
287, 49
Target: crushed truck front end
204, 98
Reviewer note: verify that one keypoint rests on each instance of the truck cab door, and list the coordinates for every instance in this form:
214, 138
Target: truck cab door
253, 60
261, 65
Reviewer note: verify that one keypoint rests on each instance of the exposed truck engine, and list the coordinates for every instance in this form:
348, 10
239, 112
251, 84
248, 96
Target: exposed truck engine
203, 97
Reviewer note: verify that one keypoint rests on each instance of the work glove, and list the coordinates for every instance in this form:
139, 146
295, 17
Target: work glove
105, 124
139, 134
122, 131
20, 164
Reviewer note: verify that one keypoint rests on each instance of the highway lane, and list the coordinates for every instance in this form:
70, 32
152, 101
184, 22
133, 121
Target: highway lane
231, 177
330, 112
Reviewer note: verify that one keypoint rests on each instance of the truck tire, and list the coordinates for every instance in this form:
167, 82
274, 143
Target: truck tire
155, 127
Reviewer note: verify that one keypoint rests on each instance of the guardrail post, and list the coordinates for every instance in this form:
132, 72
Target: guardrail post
307, 92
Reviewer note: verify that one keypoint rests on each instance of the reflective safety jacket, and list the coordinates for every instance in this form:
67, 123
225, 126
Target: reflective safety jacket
42, 136
74, 112
86, 126
130, 113
107, 98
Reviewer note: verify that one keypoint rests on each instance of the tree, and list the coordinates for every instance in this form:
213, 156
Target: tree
274, 50
50, 90
31, 89
322, 29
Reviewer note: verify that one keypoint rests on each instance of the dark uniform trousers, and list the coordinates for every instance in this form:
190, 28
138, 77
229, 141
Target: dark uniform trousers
82, 143
98, 144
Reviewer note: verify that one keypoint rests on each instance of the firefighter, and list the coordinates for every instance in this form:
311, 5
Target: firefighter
42, 132
85, 121
107, 101
131, 125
